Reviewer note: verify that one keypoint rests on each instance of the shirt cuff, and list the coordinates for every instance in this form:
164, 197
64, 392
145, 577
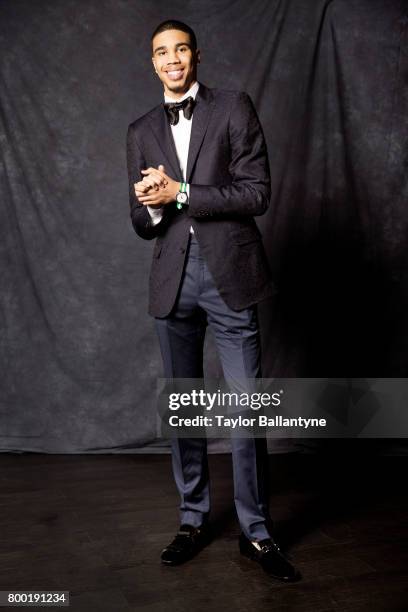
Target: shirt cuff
155, 213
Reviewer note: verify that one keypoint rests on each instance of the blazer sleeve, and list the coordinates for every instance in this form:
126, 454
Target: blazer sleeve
250, 191
141, 219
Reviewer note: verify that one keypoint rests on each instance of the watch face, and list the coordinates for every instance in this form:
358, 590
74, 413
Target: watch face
181, 198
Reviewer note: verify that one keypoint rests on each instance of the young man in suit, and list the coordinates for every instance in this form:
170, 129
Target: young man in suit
198, 174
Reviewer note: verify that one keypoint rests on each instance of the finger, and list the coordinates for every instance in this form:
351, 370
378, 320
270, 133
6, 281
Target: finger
145, 186
140, 186
150, 194
158, 178
145, 192
155, 172
140, 194
151, 183
149, 200
160, 182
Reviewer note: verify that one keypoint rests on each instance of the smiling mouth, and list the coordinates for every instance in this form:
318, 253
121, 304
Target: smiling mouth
174, 75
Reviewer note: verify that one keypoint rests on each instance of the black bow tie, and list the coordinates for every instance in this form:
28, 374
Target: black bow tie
172, 109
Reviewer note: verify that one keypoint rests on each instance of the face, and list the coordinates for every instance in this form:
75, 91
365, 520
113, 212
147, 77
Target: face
175, 61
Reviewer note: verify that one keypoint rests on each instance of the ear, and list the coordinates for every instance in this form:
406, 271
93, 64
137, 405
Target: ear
154, 64
198, 56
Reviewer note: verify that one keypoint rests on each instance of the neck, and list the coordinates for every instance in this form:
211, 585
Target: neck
179, 94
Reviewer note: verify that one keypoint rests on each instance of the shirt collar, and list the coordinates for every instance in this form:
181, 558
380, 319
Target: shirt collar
191, 92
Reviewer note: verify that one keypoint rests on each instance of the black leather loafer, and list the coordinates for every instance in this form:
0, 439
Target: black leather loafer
187, 543
270, 557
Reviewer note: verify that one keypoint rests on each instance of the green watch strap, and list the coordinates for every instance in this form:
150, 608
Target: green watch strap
183, 189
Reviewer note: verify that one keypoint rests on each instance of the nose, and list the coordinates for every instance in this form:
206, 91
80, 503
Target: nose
173, 58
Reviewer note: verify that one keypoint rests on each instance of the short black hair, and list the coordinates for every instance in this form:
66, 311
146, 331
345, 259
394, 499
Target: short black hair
174, 24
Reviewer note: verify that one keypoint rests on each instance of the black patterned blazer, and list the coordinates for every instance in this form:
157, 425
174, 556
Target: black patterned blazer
228, 172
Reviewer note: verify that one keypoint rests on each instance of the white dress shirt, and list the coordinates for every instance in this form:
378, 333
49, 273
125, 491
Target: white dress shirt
181, 135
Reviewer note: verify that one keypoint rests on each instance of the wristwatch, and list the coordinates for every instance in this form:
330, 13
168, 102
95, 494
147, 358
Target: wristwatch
182, 196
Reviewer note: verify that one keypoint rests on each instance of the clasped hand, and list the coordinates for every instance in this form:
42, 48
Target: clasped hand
156, 188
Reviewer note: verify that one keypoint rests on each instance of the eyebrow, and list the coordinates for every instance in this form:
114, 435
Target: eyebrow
181, 44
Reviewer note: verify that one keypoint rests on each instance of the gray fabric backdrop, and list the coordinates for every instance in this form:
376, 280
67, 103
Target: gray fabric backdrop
79, 358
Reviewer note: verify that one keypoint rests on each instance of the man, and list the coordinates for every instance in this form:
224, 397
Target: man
198, 174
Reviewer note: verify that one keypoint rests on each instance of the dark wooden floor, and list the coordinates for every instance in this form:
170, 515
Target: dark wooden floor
95, 525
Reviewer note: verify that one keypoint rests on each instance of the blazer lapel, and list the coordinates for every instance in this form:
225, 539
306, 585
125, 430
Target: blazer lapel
161, 128
201, 116
162, 131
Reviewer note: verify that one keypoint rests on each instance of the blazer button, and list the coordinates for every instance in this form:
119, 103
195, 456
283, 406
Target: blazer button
182, 250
